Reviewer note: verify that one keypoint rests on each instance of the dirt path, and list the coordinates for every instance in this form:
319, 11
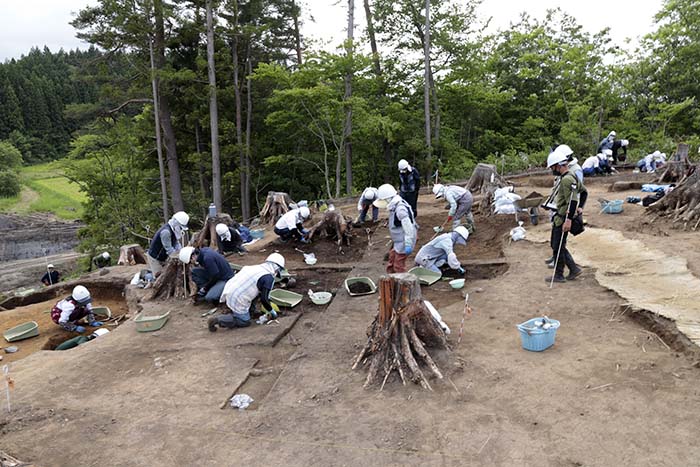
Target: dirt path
26, 197
605, 394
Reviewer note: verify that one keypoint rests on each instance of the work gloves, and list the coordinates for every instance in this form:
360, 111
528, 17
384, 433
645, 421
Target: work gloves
96, 324
461, 271
202, 292
409, 250
449, 218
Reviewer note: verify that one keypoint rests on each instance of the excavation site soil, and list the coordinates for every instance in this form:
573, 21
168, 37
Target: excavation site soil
619, 386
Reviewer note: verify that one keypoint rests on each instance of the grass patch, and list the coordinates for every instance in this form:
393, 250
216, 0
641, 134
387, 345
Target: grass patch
6, 204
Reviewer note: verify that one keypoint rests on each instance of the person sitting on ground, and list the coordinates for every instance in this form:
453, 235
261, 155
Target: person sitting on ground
167, 241
651, 162
211, 275
605, 160
67, 312
242, 291
607, 142
102, 260
51, 276
230, 240
616, 146
409, 185
366, 199
591, 166
402, 227
460, 200
291, 225
440, 251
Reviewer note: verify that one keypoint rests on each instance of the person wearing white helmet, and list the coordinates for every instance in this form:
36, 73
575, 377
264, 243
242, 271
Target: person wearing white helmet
402, 227
51, 276
167, 241
409, 185
102, 260
460, 201
242, 291
365, 202
591, 166
605, 161
291, 225
440, 251
651, 162
607, 142
211, 273
67, 312
229, 239
569, 198
616, 146
574, 166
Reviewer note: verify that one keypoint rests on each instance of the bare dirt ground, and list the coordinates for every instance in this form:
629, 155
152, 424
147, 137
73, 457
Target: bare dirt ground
607, 393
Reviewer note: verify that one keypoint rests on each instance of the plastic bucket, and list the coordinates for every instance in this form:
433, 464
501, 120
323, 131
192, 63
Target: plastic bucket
535, 338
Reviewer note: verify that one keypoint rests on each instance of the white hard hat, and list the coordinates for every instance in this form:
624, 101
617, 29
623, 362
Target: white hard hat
185, 254
182, 218
624, 142
384, 194
105, 255
438, 190
49, 266
607, 152
403, 165
304, 211
277, 259
221, 229
462, 230
556, 158
370, 193
656, 153
81, 295
564, 149
612, 133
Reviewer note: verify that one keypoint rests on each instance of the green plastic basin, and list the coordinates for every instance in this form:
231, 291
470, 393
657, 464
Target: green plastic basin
425, 276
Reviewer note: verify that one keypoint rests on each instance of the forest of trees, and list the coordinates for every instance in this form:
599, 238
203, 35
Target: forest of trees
245, 104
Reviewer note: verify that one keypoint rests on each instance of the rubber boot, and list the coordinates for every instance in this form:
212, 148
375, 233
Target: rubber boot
212, 322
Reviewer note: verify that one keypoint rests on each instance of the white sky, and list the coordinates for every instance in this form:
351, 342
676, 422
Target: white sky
27, 23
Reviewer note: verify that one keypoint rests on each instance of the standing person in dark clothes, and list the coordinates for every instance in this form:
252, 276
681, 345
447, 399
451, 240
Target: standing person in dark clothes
616, 146
51, 276
211, 275
410, 185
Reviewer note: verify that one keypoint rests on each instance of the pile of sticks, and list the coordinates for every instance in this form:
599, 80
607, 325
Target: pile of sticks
131, 255
399, 334
276, 205
174, 281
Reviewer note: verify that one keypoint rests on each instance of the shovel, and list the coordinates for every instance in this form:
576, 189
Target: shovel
438, 230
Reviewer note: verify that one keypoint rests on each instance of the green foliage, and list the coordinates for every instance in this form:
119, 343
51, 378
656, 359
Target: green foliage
9, 184
10, 157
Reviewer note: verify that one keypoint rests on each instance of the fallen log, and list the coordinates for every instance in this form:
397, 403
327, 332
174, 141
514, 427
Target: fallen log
624, 186
399, 335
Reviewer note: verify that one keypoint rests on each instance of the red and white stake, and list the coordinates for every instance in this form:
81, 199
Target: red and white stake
467, 310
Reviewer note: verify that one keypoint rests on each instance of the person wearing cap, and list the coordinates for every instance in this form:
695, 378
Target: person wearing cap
591, 166
607, 142
402, 227
605, 161
409, 185
440, 251
51, 276
78, 305
616, 146
366, 199
242, 291
651, 162
102, 260
167, 241
569, 198
230, 240
291, 225
212, 271
460, 201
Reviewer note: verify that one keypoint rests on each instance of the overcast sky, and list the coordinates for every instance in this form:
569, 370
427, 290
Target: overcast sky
27, 23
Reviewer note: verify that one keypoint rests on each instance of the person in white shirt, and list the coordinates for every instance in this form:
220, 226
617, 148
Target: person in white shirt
291, 225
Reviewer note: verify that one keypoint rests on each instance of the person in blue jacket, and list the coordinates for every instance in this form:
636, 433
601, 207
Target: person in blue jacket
212, 273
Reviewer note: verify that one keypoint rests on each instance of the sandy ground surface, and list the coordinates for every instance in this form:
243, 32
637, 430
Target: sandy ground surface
607, 393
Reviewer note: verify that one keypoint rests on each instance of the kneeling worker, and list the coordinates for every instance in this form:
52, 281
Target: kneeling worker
244, 289
366, 199
229, 239
460, 200
211, 275
440, 251
72, 309
291, 224
102, 260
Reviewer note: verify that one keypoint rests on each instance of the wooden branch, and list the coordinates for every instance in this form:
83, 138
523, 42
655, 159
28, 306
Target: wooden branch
129, 102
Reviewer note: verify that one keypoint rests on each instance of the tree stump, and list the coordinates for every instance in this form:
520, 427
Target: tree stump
208, 236
132, 254
682, 205
678, 167
485, 180
335, 226
276, 205
175, 281
399, 334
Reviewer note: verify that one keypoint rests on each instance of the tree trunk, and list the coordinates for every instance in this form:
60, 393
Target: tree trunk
297, 34
239, 105
245, 201
159, 141
213, 111
348, 95
399, 334
426, 78
203, 182
165, 114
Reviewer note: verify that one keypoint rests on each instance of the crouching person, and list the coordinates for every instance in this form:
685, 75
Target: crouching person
291, 225
230, 239
244, 289
440, 251
72, 309
211, 275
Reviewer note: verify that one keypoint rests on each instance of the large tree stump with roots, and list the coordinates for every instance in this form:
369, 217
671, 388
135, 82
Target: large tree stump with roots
174, 281
131, 254
682, 205
677, 167
208, 236
335, 226
485, 180
276, 205
400, 333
